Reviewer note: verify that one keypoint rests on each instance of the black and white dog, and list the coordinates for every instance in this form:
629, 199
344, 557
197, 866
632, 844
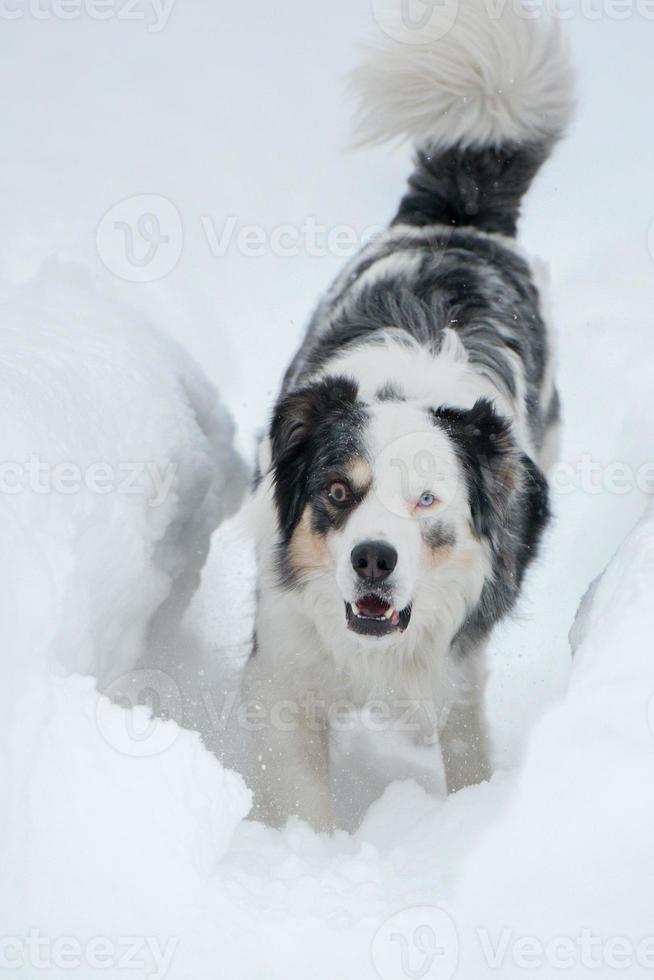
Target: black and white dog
402, 494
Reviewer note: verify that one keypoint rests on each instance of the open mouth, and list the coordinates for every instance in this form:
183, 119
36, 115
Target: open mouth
372, 615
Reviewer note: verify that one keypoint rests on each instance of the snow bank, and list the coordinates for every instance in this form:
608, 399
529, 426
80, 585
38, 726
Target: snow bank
102, 843
117, 464
122, 830
564, 882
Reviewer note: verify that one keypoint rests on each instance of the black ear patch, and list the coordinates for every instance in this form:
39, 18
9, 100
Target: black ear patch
305, 424
509, 501
485, 446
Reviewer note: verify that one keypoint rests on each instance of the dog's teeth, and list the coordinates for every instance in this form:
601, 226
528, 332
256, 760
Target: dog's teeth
390, 615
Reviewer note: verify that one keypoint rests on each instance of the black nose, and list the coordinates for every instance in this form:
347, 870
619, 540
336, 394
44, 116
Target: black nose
373, 560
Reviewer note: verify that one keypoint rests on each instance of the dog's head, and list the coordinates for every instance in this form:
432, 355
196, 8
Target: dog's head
391, 513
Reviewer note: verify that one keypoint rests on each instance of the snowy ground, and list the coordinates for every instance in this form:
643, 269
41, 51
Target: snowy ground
125, 848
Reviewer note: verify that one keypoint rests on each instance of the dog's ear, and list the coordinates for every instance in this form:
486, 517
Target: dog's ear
490, 458
509, 500
295, 435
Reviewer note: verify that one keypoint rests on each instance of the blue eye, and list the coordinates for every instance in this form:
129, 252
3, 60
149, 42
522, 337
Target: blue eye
427, 500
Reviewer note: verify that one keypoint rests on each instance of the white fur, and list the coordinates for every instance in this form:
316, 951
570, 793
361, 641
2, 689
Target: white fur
306, 653
446, 377
477, 73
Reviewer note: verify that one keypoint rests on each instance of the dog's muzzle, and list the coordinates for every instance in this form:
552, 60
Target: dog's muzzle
373, 613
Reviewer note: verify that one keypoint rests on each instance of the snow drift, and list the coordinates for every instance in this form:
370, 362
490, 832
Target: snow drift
117, 464
124, 845
564, 881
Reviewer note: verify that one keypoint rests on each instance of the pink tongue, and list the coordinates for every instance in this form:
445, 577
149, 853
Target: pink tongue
370, 605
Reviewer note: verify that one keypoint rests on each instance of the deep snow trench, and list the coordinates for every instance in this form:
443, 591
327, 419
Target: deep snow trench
122, 827
125, 846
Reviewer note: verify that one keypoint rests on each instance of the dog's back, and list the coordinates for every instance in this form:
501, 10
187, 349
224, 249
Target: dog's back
484, 98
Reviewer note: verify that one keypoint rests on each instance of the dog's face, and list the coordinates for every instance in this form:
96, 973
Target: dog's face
386, 508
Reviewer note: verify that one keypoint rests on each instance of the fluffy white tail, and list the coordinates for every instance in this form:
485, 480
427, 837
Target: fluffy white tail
476, 73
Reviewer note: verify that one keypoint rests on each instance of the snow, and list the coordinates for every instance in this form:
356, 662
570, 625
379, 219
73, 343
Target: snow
586, 770
100, 558
119, 827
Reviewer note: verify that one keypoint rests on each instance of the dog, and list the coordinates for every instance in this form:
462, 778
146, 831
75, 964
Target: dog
402, 492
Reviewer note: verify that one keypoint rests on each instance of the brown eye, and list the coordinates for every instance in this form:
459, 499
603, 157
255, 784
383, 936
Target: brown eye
339, 493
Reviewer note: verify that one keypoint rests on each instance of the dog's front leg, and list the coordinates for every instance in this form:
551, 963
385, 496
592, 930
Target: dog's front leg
294, 778
290, 750
463, 736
